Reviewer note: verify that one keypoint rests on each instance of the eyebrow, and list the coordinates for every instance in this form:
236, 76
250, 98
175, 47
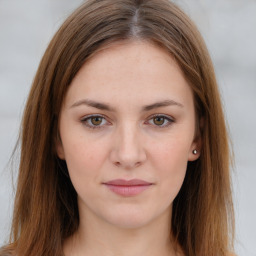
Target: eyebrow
104, 106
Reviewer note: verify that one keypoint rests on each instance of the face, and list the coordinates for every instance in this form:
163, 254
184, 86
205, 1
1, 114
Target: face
127, 129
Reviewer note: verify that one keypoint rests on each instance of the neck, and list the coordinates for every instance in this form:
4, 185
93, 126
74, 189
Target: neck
96, 237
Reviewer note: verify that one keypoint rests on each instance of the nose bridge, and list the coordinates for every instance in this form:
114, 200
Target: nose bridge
128, 150
129, 139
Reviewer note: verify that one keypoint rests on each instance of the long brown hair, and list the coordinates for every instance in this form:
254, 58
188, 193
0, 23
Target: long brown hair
45, 211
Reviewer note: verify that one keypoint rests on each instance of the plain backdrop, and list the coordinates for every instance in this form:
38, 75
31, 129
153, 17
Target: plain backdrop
229, 29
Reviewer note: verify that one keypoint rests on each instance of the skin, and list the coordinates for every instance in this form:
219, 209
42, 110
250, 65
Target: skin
127, 143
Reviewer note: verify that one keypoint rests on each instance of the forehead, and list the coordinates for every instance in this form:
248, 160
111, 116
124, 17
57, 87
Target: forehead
147, 55
130, 71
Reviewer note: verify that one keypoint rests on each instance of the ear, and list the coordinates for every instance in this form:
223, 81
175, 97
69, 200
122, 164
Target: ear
195, 149
59, 148
196, 146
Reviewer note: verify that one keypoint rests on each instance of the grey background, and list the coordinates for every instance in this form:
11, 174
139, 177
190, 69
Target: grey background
229, 29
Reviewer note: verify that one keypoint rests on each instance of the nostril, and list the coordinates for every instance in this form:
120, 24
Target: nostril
127, 166
137, 164
117, 163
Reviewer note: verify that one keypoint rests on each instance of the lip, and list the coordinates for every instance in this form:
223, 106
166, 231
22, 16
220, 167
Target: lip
127, 187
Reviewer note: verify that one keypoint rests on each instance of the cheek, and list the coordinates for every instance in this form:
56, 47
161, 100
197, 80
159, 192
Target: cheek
171, 153
84, 159
170, 163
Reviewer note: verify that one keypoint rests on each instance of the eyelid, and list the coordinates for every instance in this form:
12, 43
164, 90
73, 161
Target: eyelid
88, 117
167, 117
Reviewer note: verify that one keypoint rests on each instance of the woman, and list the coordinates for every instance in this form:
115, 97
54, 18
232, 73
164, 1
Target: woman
124, 149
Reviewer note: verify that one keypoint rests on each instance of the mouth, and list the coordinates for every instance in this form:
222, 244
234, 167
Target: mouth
128, 187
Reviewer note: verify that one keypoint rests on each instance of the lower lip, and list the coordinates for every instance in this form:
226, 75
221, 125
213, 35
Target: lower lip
128, 190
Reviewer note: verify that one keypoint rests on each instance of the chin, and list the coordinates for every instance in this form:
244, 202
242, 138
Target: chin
130, 222
132, 218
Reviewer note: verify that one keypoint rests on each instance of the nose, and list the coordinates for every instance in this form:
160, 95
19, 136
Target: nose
128, 151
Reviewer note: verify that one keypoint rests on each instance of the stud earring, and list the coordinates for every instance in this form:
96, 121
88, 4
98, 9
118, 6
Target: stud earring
194, 151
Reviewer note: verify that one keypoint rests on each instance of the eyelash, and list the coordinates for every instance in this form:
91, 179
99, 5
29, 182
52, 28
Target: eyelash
167, 118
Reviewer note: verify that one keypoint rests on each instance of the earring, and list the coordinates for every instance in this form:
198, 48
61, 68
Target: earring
194, 151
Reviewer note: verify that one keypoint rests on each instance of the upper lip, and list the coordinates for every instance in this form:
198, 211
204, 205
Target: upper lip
133, 182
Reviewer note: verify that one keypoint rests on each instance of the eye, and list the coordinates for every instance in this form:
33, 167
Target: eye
161, 121
98, 121
94, 121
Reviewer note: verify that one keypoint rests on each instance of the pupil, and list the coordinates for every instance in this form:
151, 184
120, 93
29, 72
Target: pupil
159, 120
96, 120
